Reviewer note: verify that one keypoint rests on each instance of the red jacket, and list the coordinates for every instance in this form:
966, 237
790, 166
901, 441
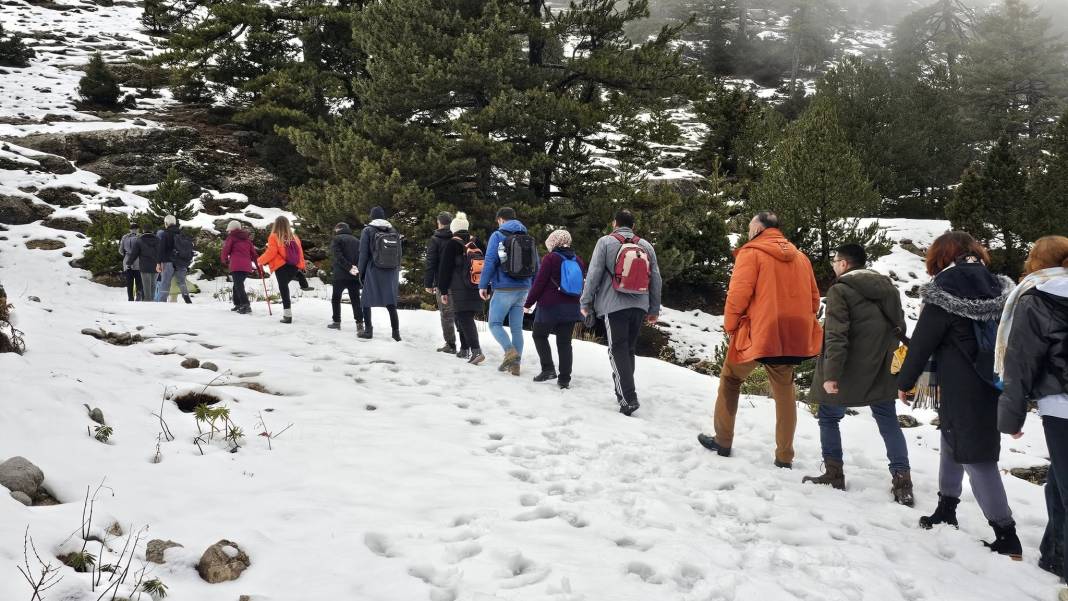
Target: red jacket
238, 252
772, 302
275, 255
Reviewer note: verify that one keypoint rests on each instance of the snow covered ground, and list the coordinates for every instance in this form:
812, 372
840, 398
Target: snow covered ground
462, 483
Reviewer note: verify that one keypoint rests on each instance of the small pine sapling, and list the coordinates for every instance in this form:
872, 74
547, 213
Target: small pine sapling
154, 588
103, 433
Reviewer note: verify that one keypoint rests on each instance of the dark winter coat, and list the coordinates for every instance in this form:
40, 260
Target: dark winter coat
1036, 358
452, 276
945, 332
381, 287
166, 251
126, 246
553, 305
146, 253
859, 340
434, 247
238, 252
344, 254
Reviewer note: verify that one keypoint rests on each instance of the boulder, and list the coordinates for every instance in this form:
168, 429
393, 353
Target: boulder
222, 562
50, 163
44, 244
190, 363
19, 475
62, 197
95, 414
208, 365
69, 223
22, 497
16, 210
157, 549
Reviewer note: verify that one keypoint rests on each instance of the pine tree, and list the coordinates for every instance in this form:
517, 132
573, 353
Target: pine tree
715, 32
13, 51
99, 85
816, 185
933, 38
1048, 191
171, 197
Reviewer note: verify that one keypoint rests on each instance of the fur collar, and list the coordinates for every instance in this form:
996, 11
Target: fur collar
978, 309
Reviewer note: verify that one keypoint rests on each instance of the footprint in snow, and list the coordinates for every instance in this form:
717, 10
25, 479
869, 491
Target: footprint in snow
687, 576
518, 571
379, 544
496, 436
522, 475
643, 571
627, 542
474, 421
456, 553
442, 582
528, 500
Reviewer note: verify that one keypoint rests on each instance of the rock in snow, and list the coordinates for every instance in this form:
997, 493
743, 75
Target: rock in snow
19, 475
222, 562
156, 550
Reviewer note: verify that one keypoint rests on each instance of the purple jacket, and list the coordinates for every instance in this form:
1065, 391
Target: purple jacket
239, 253
554, 305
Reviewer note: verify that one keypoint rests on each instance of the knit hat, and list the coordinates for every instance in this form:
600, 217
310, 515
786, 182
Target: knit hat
558, 238
233, 225
459, 223
378, 213
169, 220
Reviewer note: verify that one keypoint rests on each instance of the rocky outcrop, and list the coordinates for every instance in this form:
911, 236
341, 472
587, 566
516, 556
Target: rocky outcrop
156, 550
16, 210
86, 147
44, 244
64, 197
68, 223
222, 562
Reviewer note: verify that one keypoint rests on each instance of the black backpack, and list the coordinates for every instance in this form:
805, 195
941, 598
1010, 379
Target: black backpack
521, 255
183, 250
386, 249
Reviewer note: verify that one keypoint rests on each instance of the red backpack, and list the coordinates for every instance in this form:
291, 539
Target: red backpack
633, 270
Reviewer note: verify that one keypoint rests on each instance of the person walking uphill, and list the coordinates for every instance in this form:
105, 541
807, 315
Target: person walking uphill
379, 265
239, 255
284, 256
437, 242
145, 256
770, 319
1032, 358
511, 264
863, 327
135, 290
624, 288
345, 258
175, 257
459, 272
556, 292
962, 305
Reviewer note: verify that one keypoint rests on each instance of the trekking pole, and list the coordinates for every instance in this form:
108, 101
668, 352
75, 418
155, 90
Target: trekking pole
266, 296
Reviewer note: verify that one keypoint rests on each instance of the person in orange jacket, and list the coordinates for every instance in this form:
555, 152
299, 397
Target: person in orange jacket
285, 257
771, 320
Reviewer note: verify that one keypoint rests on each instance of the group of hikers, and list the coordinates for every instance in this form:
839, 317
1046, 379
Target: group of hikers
983, 348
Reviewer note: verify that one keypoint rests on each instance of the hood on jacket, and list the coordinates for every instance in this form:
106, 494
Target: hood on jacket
381, 224
239, 234
444, 233
513, 227
148, 236
342, 228
566, 251
969, 290
772, 243
872, 285
1057, 287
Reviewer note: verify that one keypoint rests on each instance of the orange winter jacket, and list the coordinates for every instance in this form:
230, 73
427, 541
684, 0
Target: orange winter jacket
772, 302
275, 255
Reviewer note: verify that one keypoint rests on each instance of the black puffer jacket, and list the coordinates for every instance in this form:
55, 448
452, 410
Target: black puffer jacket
1036, 359
434, 247
146, 253
344, 254
957, 297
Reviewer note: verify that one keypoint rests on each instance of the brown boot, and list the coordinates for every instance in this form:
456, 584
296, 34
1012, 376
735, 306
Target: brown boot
832, 475
902, 488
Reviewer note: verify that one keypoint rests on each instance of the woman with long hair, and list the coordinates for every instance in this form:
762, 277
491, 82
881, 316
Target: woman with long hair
1032, 358
285, 257
962, 305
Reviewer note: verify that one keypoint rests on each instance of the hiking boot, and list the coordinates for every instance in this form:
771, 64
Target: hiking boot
901, 486
464, 353
476, 357
244, 310
234, 308
366, 334
629, 408
359, 328
448, 348
784, 465
546, 375
833, 475
514, 369
710, 443
286, 319
1005, 541
187, 300
563, 384
945, 513
334, 325
396, 335
510, 358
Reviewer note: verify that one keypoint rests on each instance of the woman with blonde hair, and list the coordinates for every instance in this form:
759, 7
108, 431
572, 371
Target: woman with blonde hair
1032, 359
285, 257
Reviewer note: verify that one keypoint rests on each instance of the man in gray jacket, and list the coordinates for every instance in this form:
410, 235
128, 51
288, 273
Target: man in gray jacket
623, 288
134, 288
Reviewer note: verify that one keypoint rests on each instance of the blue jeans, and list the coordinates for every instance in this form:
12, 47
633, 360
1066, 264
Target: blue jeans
170, 272
885, 415
507, 303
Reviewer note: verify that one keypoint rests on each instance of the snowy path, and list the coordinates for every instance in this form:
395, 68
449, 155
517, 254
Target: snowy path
462, 483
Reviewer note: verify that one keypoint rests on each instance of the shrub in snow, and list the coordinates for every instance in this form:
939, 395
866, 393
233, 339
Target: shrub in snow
99, 85
105, 231
171, 197
13, 51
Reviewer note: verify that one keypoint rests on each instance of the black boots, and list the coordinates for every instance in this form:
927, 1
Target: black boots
448, 348
396, 335
945, 513
710, 443
367, 333
334, 325
546, 375
464, 354
901, 487
187, 300
244, 310
833, 475
1005, 541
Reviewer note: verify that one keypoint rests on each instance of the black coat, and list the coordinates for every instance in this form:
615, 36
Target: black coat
434, 247
344, 254
166, 250
381, 287
146, 252
451, 274
953, 301
1036, 358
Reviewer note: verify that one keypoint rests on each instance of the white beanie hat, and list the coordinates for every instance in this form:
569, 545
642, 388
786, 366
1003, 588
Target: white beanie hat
459, 223
169, 220
558, 238
233, 225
